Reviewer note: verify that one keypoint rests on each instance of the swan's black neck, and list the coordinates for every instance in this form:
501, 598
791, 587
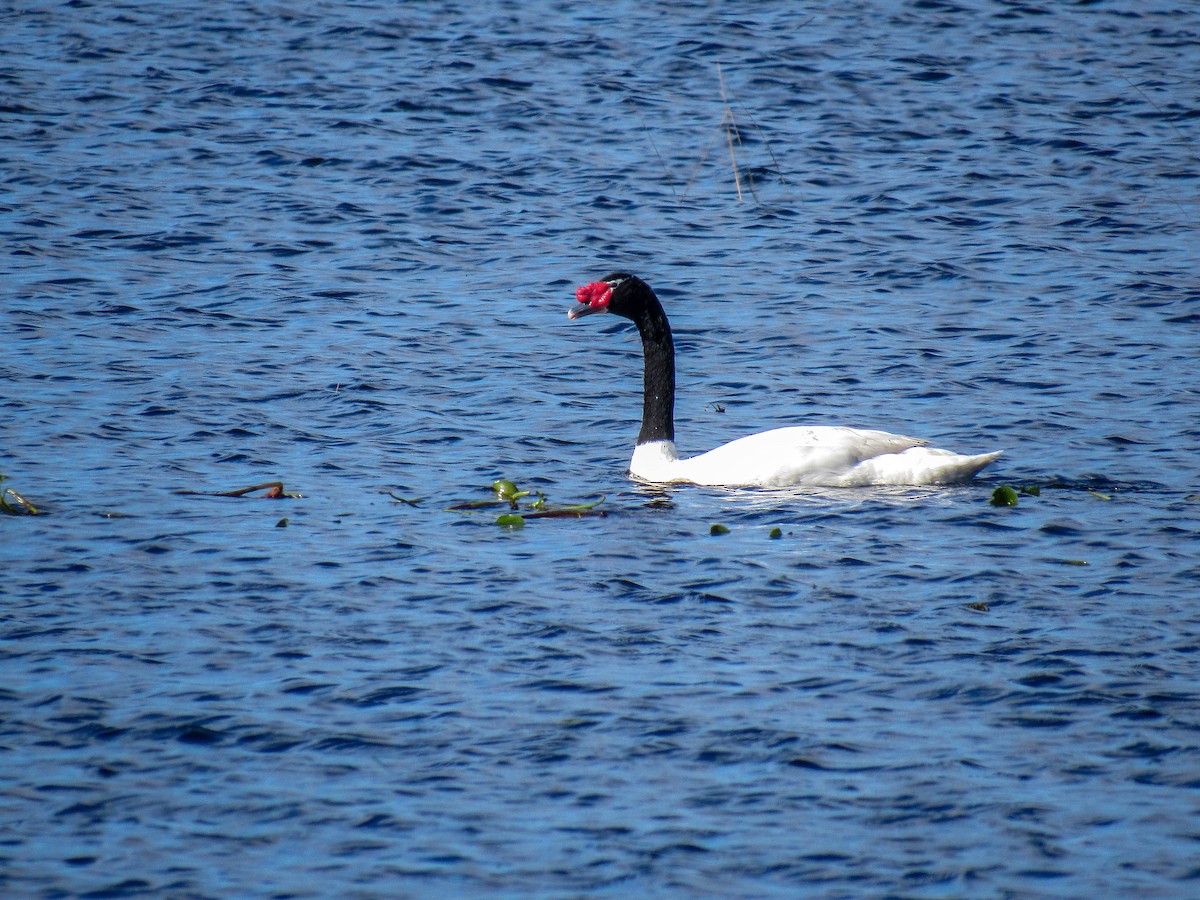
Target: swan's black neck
658, 402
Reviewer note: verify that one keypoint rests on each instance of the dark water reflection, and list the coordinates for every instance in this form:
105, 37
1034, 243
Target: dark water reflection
334, 246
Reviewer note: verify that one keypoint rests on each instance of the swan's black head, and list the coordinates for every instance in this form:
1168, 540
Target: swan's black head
619, 293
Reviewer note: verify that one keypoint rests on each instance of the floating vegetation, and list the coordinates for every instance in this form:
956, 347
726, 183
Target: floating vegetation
1007, 495
506, 490
509, 494
273, 491
776, 533
415, 501
13, 504
1004, 496
979, 607
717, 528
477, 504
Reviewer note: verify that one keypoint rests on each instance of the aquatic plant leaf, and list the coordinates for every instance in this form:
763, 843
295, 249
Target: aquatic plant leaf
717, 528
564, 513
776, 533
510, 520
504, 489
1004, 496
477, 504
580, 507
13, 504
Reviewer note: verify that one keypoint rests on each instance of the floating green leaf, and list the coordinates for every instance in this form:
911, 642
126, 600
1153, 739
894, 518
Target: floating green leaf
1100, 495
510, 520
776, 532
718, 529
506, 490
1004, 496
1031, 490
578, 507
282, 523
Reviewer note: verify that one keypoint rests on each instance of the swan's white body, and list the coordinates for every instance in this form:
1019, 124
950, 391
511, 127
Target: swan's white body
814, 456
817, 456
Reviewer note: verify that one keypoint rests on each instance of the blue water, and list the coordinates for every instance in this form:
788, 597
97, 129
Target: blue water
334, 244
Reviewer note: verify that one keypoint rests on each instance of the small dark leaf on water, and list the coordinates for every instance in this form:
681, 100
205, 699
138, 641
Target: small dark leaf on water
1031, 490
981, 607
718, 529
1004, 496
510, 520
776, 532
282, 523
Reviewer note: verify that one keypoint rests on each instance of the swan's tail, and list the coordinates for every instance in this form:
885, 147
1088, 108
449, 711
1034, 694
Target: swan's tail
920, 465
945, 467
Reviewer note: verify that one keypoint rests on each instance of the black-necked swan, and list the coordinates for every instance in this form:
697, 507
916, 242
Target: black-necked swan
816, 455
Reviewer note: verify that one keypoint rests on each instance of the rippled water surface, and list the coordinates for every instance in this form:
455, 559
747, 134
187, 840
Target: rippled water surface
333, 245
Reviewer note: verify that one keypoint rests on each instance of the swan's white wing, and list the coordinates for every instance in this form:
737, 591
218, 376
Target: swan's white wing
799, 455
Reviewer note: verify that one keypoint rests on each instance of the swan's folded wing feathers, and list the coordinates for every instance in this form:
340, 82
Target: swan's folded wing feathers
876, 443
801, 454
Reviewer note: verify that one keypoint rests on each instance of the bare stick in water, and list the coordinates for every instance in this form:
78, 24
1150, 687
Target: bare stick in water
730, 127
